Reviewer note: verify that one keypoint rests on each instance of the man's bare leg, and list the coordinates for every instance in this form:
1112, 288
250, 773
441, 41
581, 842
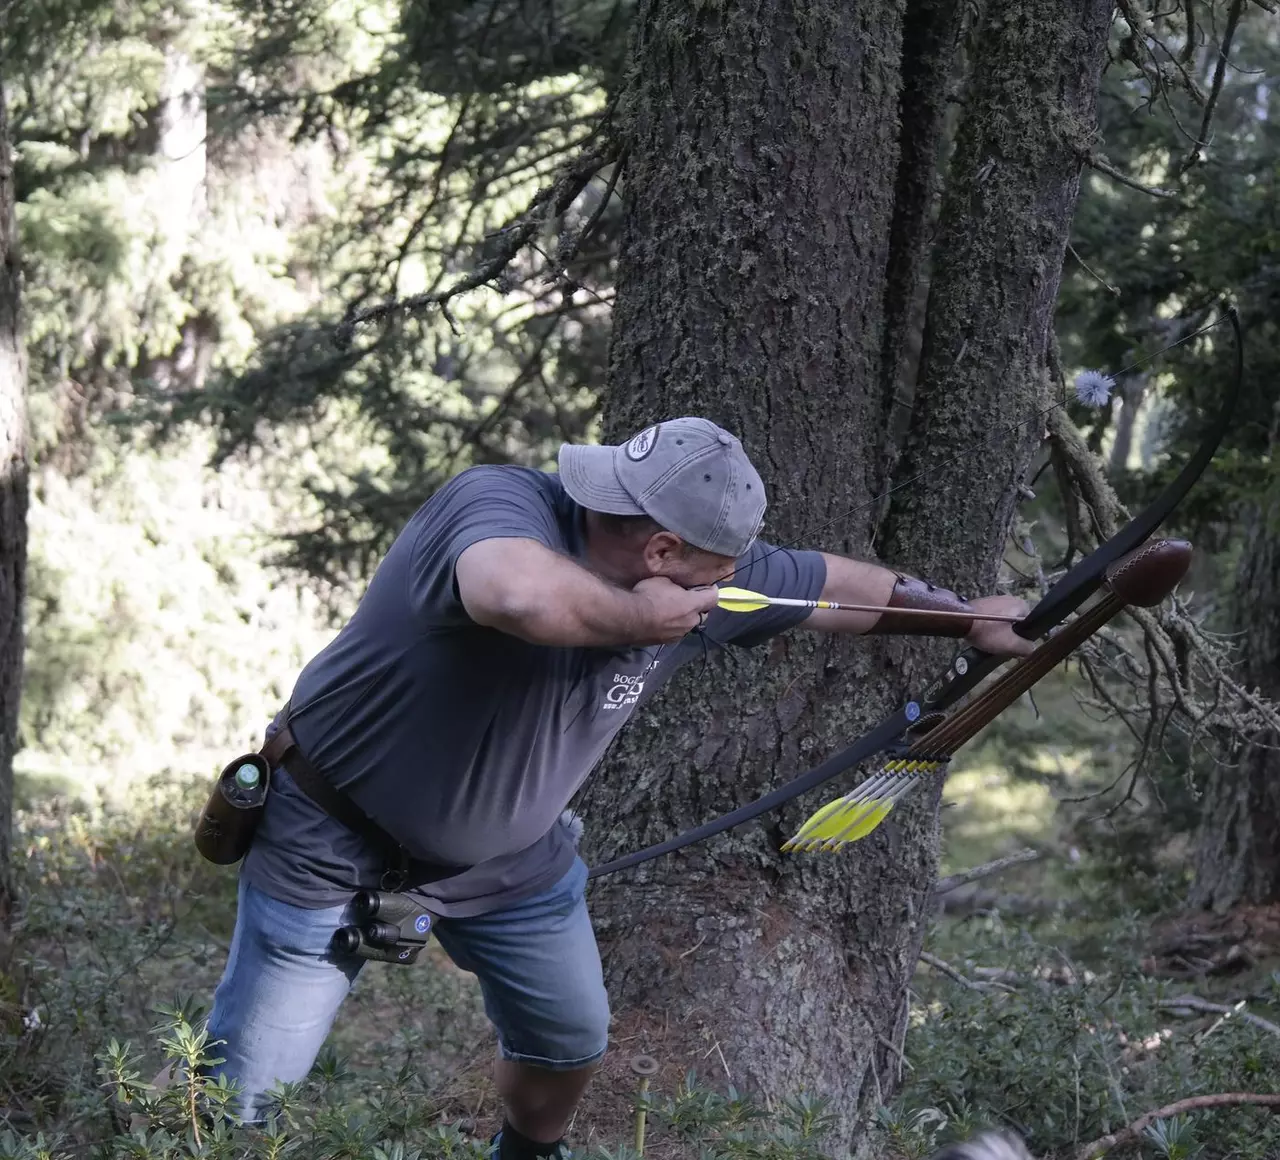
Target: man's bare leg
540, 1103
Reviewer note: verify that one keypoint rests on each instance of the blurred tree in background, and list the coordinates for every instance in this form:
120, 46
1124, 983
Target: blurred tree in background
158, 633
443, 133
13, 497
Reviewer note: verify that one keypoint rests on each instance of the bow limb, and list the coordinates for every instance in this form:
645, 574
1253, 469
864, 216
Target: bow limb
972, 665
891, 729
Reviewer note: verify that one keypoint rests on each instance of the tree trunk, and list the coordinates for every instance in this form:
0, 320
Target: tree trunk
13, 499
1238, 847
930, 38
762, 166
1131, 390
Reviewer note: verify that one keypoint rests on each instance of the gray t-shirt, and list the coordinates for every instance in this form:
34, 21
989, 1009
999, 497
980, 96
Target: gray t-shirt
463, 742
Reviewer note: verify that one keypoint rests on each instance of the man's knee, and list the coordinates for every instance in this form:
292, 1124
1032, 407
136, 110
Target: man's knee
574, 1035
586, 1033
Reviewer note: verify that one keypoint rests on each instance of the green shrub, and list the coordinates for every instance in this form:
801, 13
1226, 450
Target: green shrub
1064, 1062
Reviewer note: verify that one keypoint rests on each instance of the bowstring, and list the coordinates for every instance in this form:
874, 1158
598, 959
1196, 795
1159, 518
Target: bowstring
875, 499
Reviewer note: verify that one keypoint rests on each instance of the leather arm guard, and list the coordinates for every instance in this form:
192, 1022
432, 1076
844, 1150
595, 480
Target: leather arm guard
921, 597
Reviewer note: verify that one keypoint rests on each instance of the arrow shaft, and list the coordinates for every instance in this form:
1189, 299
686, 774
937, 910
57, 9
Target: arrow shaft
790, 602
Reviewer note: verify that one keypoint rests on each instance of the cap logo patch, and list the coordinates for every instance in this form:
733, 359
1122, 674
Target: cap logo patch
640, 446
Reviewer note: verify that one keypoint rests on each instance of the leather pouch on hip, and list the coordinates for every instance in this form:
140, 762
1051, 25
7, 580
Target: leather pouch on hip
224, 830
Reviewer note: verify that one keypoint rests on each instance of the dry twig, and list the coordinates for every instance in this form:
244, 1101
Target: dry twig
1131, 1134
1195, 1003
1102, 166
964, 877
1215, 90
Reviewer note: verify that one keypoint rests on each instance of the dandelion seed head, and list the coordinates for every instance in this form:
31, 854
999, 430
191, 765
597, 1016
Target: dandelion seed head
1093, 388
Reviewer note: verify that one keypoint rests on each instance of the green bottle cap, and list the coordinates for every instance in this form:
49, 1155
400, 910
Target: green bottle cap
247, 776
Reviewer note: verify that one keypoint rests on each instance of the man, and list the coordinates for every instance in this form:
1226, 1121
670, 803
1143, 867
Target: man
507, 636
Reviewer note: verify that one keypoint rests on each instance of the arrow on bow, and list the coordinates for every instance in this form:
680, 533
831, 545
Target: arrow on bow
1128, 576
744, 600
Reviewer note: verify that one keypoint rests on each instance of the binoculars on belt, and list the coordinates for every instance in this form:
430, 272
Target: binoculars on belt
392, 928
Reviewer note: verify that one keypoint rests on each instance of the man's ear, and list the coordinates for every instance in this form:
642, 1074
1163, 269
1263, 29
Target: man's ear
662, 551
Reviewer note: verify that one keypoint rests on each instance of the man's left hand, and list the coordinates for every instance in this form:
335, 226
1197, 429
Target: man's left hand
993, 637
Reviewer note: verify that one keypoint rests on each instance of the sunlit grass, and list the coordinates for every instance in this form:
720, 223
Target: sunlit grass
986, 813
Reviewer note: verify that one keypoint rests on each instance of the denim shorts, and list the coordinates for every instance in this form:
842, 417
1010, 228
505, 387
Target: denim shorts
536, 962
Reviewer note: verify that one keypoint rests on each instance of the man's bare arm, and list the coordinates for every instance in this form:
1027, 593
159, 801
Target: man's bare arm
859, 582
521, 587
852, 582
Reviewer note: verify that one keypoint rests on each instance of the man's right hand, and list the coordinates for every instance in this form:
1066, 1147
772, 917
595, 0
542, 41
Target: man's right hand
523, 588
675, 611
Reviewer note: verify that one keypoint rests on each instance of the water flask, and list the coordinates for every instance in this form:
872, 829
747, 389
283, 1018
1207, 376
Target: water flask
225, 827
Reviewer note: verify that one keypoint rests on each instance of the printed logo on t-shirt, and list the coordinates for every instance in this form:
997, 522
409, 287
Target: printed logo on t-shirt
639, 446
625, 691
626, 688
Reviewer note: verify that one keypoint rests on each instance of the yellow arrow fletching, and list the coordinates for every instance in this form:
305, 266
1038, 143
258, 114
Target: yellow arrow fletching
801, 840
818, 817
831, 820
741, 600
852, 823
864, 827
856, 814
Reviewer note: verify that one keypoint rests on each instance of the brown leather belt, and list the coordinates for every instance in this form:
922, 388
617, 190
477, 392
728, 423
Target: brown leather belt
282, 749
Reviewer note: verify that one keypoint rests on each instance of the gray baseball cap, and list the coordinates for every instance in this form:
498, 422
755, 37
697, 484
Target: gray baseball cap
689, 475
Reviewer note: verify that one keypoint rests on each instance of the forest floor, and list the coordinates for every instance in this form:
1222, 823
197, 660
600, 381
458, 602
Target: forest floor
124, 916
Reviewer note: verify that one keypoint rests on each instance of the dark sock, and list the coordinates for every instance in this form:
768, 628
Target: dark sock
515, 1145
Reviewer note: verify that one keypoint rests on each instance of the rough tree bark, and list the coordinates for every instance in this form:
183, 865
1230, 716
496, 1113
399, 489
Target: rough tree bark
1237, 856
13, 498
762, 167
930, 36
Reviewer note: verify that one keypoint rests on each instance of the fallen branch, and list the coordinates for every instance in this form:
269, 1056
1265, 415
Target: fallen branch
947, 969
955, 881
1130, 1135
968, 900
1052, 976
1195, 1003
